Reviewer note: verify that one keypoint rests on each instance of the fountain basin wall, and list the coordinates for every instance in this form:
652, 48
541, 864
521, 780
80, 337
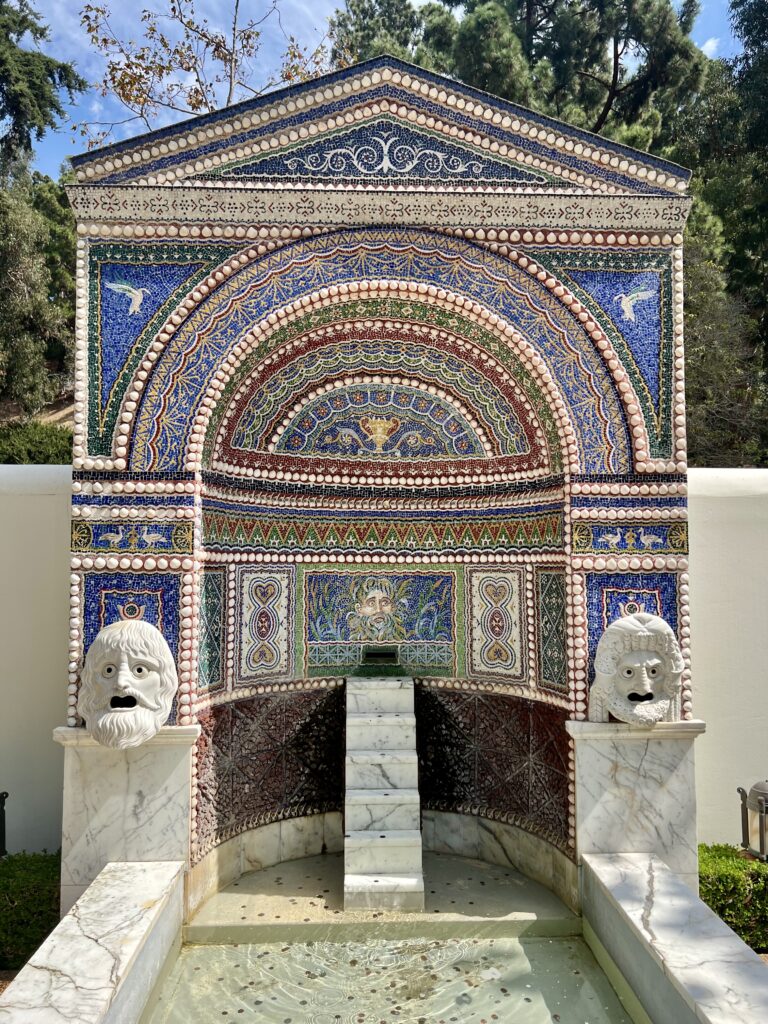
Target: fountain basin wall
465, 835
682, 962
103, 959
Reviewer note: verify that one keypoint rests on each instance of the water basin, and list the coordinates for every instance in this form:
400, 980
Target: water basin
276, 946
380, 981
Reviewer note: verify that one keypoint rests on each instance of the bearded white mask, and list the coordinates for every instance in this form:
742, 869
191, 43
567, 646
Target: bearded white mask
127, 684
638, 670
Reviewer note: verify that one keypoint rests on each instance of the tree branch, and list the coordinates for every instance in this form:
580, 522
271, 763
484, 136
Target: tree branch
612, 89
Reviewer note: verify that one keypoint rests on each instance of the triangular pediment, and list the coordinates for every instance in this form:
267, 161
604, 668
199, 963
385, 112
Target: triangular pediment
387, 123
383, 151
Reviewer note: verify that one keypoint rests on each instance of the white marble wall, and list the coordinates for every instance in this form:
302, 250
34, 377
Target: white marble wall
123, 805
101, 962
261, 848
683, 963
636, 791
498, 843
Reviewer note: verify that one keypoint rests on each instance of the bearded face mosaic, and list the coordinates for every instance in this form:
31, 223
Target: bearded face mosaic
378, 360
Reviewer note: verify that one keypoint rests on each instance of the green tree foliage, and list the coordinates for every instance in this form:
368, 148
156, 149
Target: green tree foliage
31, 82
37, 232
33, 328
50, 201
727, 398
30, 442
722, 133
598, 65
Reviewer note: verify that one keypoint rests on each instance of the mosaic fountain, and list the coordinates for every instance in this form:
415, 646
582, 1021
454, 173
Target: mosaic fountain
381, 361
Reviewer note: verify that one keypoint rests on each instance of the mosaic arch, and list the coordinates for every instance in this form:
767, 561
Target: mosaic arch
378, 334
491, 292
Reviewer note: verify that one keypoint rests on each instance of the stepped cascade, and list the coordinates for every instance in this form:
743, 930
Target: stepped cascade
382, 826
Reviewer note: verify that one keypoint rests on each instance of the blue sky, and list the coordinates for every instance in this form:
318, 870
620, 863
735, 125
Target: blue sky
303, 18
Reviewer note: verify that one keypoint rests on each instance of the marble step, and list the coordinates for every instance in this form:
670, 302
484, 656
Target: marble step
381, 810
383, 731
381, 769
384, 892
368, 696
398, 852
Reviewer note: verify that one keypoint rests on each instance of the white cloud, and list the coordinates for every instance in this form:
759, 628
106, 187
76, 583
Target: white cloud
711, 46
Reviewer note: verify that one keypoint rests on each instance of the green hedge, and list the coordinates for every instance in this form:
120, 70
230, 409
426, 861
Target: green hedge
737, 890
35, 443
29, 905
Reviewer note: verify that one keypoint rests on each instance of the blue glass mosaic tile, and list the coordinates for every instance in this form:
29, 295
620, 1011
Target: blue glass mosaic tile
612, 595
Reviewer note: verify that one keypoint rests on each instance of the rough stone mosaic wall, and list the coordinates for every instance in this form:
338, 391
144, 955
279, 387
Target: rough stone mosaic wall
300, 431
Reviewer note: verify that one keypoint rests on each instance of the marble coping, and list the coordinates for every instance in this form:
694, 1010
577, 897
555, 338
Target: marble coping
682, 961
102, 960
169, 735
624, 731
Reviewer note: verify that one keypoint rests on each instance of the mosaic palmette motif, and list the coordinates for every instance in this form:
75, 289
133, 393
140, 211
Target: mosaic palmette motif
378, 359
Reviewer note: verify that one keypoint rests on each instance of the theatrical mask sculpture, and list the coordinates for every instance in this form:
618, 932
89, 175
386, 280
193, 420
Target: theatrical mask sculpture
638, 670
127, 685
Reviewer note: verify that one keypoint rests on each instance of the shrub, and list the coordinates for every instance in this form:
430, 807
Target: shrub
29, 905
736, 888
30, 442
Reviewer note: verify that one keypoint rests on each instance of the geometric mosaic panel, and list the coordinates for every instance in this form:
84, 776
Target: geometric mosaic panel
495, 756
550, 584
496, 645
266, 758
264, 617
211, 630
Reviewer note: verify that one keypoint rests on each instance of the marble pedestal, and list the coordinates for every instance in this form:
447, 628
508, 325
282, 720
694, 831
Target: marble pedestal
123, 805
636, 791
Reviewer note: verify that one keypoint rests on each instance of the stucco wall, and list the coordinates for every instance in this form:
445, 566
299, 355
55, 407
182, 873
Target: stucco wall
729, 601
729, 632
34, 595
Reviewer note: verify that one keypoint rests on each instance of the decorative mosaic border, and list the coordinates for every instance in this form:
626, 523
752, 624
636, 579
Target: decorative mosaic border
385, 78
121, 210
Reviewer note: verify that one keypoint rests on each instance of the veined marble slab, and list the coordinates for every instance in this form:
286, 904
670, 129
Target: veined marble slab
382, 731
373, 853
381, 810
683, 963
100, 963
382, 769
636, 791
123, 805
389, 694
260, 848
382, 821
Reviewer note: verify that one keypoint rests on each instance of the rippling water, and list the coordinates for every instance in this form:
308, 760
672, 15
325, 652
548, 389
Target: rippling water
406, 981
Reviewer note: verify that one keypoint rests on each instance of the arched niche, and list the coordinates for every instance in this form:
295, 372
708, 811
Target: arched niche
257, 297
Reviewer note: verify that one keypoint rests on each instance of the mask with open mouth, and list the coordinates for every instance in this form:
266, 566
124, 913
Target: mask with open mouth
638, 670
127, 684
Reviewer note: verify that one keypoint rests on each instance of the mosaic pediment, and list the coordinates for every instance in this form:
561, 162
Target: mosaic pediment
385, 122
383, 151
